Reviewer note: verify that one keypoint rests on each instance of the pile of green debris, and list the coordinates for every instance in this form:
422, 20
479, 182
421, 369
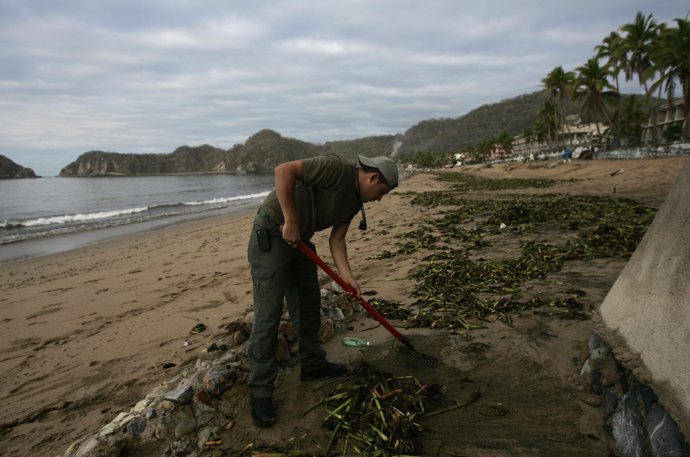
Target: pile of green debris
461, 282
377, 414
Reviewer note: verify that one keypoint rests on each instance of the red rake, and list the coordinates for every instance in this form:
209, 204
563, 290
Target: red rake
413, 356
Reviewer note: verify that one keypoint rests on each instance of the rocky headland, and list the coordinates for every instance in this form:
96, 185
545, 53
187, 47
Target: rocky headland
11, 170
260, 154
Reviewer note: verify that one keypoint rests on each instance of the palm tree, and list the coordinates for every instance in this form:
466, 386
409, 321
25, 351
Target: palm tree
530, 136
638, 40
546, 125
594, 89
613, 51
504, 143
639, 36
484, 149
541, 131
558, 86
630, 117
658, 57
674, 61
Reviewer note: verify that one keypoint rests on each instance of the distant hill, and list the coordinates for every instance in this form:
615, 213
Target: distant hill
260, 154
264, 150
448, 135
11, 170
267, 148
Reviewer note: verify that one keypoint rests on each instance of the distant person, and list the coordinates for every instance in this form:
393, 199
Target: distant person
310, 195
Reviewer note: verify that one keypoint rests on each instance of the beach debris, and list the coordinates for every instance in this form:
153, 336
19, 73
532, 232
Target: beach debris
616, 172
457, 287
391, 309
198, 328
377, 413
354, 342
238, 331
466, 183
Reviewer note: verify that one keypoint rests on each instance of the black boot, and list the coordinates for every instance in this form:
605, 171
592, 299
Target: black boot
263, 414
330, 370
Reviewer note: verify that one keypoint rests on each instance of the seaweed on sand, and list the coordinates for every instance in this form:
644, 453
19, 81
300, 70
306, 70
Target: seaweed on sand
376, 413
458, 290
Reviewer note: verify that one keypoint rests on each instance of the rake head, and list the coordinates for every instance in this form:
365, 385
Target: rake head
418, 359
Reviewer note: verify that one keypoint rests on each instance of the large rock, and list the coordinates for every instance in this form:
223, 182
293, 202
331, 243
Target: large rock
185, 159
11, 170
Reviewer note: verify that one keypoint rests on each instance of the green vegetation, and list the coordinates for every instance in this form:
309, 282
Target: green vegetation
459, 284
377, 414
655, 54
466, 183
448, 136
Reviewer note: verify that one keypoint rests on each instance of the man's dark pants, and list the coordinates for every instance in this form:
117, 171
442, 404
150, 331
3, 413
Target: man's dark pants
282, 272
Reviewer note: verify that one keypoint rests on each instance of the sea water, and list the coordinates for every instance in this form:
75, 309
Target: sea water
48, 209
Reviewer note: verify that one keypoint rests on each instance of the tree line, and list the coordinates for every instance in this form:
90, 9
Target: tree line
655, 55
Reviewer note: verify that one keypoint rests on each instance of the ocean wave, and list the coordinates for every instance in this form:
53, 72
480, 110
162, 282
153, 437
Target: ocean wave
72, 218
221, 200
152, 211
68, 207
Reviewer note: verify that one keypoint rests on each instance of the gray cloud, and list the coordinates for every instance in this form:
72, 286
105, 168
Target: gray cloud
150, 76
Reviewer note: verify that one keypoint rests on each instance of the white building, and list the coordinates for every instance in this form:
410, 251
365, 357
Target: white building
576, 137
666, 116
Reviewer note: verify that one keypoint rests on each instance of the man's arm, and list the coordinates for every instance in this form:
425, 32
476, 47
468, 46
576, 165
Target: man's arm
286, 176
336, 242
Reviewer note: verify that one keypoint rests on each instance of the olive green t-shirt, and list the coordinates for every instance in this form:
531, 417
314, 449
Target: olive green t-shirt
326, 197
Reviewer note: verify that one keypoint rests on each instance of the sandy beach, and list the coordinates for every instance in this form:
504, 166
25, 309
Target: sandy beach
87, 333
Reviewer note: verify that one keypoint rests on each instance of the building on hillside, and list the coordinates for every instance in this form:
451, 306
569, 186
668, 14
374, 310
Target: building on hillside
669, 123
590, 136
524, 148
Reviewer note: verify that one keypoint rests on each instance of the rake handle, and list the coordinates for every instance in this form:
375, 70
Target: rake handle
350, 290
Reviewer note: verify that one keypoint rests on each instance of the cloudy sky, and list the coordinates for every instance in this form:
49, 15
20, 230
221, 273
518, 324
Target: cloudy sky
151, 75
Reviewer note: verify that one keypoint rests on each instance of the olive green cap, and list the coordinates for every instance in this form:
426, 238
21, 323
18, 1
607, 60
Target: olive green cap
385, 165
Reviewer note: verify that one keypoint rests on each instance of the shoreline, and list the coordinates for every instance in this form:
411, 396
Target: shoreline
92, 329
55, 244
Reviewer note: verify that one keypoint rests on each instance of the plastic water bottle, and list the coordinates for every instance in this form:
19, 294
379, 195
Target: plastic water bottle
354, 342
